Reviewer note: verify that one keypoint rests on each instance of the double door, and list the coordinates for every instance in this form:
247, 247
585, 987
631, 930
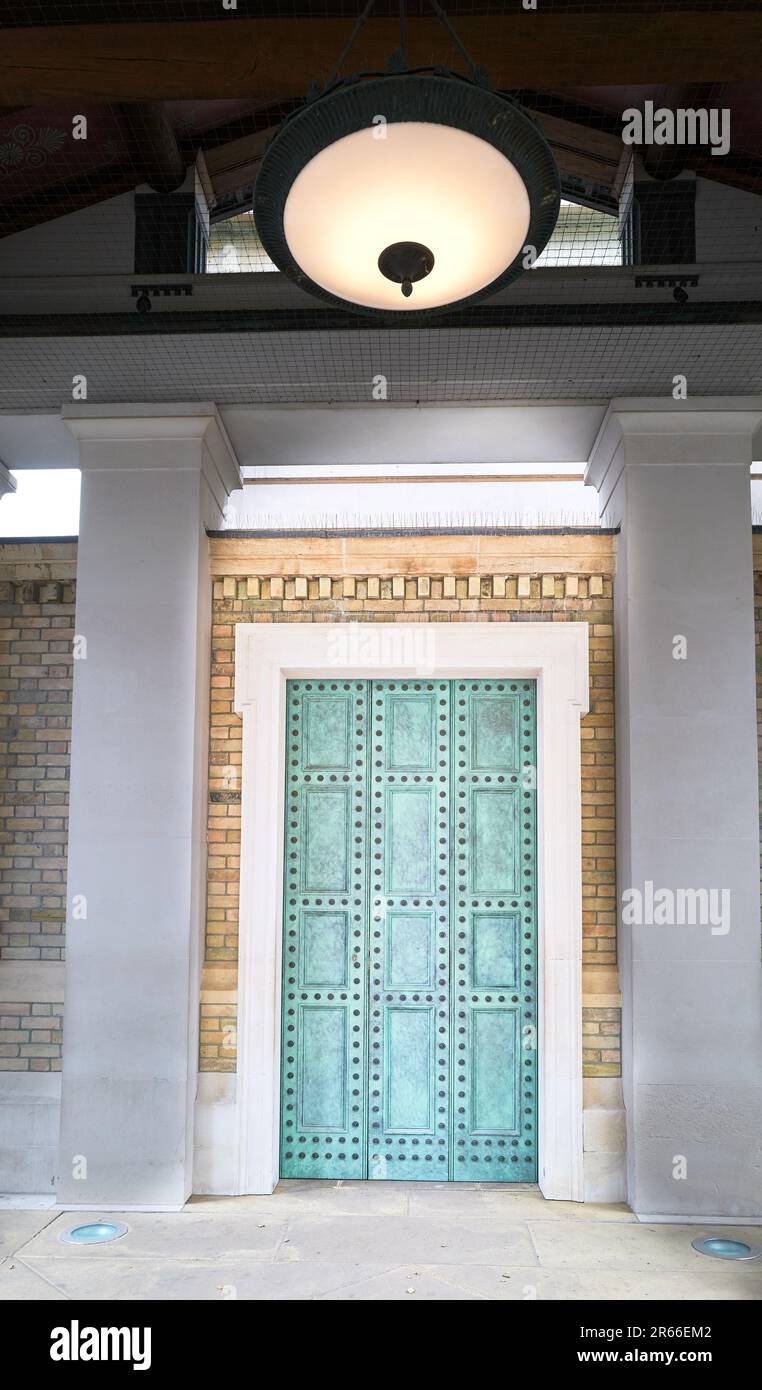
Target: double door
409, 994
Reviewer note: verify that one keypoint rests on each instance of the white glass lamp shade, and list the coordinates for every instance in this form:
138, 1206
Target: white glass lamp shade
443, 180
410, 181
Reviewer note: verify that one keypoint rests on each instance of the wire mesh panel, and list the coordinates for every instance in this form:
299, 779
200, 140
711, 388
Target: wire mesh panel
112, 202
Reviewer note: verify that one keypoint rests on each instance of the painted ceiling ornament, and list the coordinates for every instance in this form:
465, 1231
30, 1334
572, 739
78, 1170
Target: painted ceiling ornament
410, 191
25, 145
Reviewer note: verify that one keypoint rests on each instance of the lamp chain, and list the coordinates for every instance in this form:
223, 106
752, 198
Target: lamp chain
478, 73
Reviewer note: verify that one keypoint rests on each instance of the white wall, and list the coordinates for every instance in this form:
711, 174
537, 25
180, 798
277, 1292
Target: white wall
728, 223
95, 241
411, 504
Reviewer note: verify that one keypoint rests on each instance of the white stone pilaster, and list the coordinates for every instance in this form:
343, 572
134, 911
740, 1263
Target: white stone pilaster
152, 478
676, 477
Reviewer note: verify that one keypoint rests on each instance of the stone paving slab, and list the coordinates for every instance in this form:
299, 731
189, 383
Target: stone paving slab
347, 1199
372, 1241
511, 1206
18, 1227
187, 1234
220, 1280
17, 1281
624, 1247
496, 1284
472, 1240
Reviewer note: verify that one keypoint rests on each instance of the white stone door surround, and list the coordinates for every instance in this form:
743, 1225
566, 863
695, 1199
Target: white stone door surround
556, 655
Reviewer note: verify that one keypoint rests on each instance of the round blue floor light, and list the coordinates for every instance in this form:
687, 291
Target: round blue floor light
94, 1233
722, 1248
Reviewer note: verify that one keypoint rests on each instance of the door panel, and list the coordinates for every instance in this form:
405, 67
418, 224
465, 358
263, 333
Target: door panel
495, 949
327, 721
409, 949
408, 1064
494, 932
411, 734
324, 1001
495, 1048
409, 956
494, 840
408, 1130
322, 1068
325, 851
410, 841
322, 952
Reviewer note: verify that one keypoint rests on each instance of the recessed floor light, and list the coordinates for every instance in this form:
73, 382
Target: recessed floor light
721, 1248
94, 1233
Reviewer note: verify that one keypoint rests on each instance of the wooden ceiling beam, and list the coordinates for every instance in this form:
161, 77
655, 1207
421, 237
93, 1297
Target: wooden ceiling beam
580, 151
236, 164
276, 59
151, 136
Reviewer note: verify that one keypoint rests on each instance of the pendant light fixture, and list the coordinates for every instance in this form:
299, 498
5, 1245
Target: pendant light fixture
409, 191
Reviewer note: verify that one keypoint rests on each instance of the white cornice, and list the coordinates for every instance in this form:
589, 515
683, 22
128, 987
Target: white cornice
661, 432
143, 423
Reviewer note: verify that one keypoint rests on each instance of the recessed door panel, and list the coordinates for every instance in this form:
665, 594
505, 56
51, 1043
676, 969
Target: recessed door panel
494, 1067
494, 720
323, 954
327, 720
409, 938
408, 1069
322, 1067
412, 731
495, 949
409, 840
410, 950
494, 840
326, 840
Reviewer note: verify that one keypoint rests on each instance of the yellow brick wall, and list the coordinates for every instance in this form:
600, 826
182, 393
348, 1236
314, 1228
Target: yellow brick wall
31, 1036
550, 578
36, 631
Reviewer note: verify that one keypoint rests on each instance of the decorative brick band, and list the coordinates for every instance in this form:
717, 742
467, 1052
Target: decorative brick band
434, 594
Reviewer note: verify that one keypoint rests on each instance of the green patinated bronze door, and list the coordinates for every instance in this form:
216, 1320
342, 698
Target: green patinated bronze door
409, 944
